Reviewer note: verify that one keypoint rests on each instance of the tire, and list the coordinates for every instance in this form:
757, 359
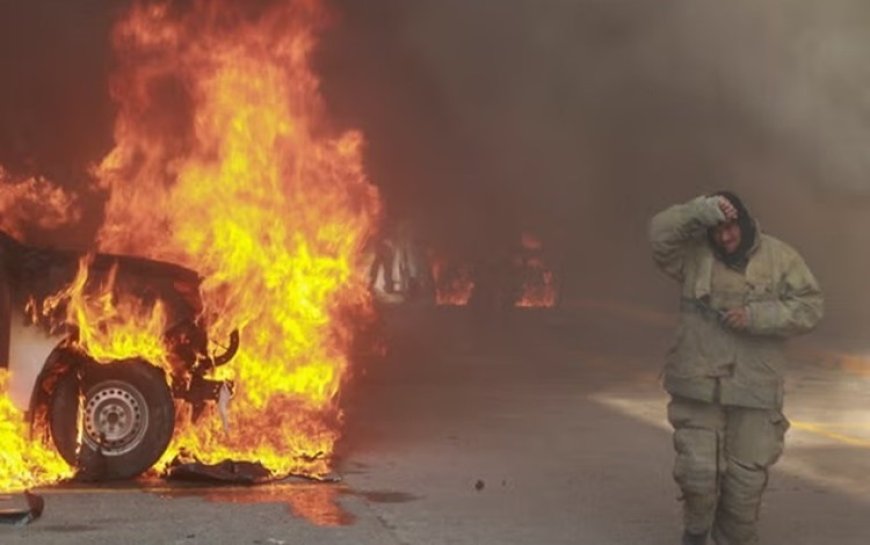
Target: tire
128, 403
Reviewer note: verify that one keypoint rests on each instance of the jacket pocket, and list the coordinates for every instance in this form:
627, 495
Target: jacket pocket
756, 437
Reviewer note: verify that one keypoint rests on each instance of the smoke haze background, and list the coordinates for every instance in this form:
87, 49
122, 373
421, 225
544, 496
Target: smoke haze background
573, 119
580, 119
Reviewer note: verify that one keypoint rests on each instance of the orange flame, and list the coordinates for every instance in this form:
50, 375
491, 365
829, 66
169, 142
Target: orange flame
541, 292
24, 463
532, 282
34, 202
538, 285
243, 183
453, 286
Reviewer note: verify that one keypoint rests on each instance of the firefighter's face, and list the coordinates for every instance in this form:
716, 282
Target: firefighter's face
727, 236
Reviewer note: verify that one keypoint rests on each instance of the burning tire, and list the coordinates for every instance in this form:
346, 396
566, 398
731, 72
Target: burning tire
126, 414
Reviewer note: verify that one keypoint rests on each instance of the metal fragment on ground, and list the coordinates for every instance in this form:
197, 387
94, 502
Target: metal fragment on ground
228, 471
21, 517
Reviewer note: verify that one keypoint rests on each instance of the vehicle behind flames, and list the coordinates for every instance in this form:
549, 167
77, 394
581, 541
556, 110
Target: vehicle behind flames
110, 419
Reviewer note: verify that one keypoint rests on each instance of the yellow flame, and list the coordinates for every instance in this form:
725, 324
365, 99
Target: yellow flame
110, 325
260, 200
24, 462
242, 179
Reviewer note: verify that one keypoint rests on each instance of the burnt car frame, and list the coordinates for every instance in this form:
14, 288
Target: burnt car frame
109, 419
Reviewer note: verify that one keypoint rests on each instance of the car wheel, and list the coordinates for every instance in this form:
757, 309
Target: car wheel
125, 417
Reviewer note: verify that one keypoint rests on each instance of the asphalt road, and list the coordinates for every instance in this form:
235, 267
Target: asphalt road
543, 428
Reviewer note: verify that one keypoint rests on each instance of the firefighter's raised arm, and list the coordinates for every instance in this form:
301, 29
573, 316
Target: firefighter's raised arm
673, 230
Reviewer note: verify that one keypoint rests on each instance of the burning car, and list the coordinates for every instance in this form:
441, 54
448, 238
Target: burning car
110, 413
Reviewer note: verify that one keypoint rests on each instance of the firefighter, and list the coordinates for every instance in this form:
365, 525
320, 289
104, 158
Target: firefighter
743, 293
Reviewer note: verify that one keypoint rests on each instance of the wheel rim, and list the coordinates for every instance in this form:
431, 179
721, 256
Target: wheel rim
115, 417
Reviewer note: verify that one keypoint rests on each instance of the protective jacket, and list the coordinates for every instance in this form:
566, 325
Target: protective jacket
710, 361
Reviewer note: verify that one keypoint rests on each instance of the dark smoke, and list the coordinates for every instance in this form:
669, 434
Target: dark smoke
575, 120
55, 113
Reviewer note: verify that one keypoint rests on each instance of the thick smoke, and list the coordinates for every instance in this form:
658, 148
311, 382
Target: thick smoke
572, 119
579, 120
55, 115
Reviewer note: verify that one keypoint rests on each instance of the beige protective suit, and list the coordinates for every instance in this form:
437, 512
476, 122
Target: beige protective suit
727, 385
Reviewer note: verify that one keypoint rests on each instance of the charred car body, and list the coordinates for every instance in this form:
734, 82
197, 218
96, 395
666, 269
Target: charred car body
110, 419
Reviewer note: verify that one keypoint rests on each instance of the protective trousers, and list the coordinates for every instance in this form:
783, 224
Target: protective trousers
723, 454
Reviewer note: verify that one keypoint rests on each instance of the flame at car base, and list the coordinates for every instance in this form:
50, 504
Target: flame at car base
24, 462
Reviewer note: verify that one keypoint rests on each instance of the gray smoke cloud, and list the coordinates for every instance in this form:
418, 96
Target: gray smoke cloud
580, 119
572, 119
